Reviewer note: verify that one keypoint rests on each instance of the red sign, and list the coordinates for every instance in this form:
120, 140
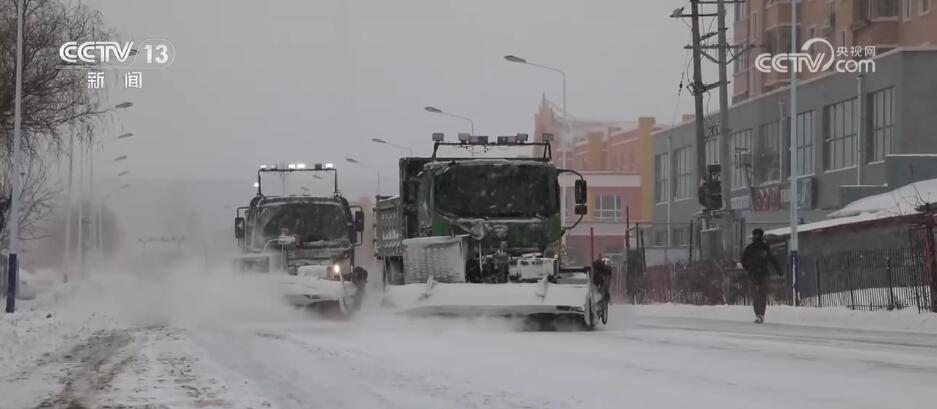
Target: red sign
767, 199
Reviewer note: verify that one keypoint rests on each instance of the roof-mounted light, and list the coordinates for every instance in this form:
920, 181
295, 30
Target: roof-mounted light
300, 166
256, 184
291, 166
481, 140
263, 166
464, 137
329, 166
438, 136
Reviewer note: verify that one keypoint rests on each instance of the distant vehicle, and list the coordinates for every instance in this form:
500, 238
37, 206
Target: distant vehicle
481, 236
308, 240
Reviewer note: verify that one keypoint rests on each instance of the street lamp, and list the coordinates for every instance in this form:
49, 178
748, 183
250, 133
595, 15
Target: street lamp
14, 224
566, 126
441, 112
91, 144
99, 224
382, 141
376, 170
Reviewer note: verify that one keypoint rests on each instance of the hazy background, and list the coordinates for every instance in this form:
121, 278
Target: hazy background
264, 81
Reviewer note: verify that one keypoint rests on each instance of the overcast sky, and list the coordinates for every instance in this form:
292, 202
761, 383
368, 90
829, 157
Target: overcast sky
301, 80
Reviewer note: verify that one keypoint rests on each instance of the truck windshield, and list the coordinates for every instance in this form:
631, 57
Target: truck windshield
497, 190
311, 221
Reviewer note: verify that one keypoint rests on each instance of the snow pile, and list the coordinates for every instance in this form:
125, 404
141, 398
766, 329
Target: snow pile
905, 320
899, 202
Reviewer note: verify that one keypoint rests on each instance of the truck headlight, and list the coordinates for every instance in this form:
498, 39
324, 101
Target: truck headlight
336, 269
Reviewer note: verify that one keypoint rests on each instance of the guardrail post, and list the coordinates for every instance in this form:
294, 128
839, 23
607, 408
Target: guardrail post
891, 286
852, 293
816, 275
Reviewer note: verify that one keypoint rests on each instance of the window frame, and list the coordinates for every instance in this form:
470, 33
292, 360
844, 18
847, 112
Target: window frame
683, 173
662, 178
738, 173
880, 124
601, 212
839, 135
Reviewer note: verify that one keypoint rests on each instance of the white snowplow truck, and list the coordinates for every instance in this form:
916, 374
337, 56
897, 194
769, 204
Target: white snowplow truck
481, 236
306, 243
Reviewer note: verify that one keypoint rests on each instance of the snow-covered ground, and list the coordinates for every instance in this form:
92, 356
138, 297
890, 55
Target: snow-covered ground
141, 342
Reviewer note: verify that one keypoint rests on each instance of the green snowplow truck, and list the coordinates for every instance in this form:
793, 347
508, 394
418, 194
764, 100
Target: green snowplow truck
482, 236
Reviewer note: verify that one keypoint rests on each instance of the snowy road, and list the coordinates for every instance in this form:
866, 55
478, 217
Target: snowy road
641, 359
666, 362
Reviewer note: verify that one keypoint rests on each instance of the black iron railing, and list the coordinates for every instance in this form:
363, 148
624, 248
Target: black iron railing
874, 279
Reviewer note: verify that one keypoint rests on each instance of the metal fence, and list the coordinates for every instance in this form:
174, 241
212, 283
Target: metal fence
873, 280
703, 283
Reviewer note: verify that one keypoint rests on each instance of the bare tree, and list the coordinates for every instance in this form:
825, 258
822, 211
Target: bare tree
56, 102
52, 97
38, 196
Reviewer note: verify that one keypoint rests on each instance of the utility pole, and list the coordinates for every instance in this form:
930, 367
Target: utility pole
794, 245
724, 130
698, 89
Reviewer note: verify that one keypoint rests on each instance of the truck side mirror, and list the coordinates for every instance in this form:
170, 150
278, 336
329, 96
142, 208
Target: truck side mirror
581, 209
581, 192
239, 228
359, 221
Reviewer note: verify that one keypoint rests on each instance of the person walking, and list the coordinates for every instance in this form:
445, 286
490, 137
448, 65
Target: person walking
756, 260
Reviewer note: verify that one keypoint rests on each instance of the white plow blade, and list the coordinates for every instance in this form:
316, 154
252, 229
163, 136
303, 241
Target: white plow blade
488, 299
300, 290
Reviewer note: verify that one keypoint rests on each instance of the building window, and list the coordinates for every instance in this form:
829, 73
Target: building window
740, 62
661, 178
712, 150
680, 235
925, 6
683, 170
881, 120
839, 135
741, 146
767, 163
880, 8
906, 10
607, 208
804, 147
741, 10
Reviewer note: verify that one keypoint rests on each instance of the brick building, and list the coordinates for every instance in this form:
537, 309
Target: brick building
615, 159
764, 26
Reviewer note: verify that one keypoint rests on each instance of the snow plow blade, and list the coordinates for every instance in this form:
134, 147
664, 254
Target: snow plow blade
305, 291
524, 300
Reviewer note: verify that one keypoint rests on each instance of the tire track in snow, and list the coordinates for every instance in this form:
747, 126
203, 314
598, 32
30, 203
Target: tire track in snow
92, 366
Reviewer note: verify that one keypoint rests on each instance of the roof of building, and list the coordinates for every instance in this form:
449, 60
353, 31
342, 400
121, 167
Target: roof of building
904, 201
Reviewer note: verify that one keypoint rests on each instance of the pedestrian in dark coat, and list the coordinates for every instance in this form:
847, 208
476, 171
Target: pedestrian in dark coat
757, 260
